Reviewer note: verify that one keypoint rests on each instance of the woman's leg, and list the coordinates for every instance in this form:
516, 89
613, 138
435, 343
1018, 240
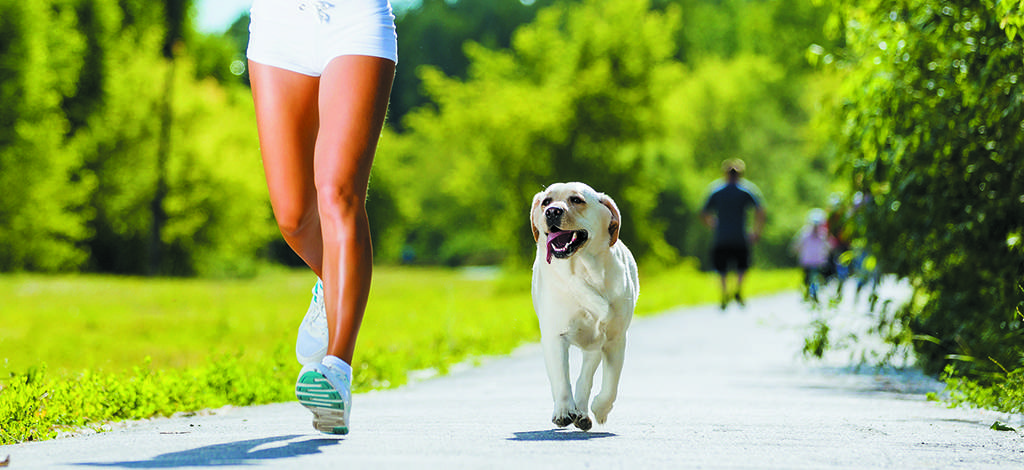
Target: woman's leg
287, 120
353, 101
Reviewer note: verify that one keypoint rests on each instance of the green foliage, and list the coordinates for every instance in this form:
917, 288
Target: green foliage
642, 100
217, 57
817, 341
80, 151
997, 391
725, 28
593, 91
1010, 14
538, 117
434, 33
218, 219
35, 406
43, 220
930, 121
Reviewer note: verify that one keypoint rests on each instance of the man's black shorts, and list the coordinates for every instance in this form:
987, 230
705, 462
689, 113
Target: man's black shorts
730, 258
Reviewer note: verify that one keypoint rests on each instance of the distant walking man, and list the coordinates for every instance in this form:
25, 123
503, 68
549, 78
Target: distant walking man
725, 212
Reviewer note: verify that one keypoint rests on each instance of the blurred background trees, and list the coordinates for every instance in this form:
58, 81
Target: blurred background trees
87, 183
43, 216
131, 146
631, 97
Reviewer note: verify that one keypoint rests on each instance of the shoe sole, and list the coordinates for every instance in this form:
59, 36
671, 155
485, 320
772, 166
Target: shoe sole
319, 396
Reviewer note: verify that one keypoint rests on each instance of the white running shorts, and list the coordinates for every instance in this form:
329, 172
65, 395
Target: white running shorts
305, 35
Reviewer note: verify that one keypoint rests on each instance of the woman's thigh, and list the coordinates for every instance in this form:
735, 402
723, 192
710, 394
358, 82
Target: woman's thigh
353, 100
288, 122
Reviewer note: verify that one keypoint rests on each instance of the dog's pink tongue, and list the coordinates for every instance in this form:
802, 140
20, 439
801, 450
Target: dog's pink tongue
551, 238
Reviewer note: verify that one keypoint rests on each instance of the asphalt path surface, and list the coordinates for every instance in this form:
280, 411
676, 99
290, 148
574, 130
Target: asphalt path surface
701, 388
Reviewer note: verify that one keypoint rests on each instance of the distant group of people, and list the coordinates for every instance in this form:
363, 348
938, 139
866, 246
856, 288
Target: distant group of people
823, 246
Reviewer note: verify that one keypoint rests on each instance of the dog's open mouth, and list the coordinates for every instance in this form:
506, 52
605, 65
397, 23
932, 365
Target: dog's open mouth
563, 243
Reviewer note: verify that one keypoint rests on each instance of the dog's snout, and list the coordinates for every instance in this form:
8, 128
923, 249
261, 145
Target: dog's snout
554, 215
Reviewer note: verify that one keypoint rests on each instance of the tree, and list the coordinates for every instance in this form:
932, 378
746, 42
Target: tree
42, 221
175, 15
595, 91
215, 215
573, 99
434, 33
930, 119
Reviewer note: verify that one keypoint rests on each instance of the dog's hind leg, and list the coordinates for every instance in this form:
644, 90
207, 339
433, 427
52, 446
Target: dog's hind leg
556, 361
614, 355
584, 384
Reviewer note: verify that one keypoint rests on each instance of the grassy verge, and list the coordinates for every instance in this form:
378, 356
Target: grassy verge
80, 350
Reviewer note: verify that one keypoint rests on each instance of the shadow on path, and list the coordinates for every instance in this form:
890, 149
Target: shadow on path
231, 453
559, 435
903, 383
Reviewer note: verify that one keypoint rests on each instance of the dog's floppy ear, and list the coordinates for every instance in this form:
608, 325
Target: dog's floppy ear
536, 202
613, 225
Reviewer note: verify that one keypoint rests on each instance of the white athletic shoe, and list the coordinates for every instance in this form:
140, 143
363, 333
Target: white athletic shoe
311, 342
326, 390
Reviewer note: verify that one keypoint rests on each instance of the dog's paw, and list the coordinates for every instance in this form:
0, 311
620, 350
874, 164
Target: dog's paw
568, 417
601, 409
583, 422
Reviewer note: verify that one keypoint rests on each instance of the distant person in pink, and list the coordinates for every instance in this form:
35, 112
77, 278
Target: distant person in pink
812, 246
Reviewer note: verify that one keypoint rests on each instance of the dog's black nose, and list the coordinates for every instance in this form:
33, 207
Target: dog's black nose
554, 215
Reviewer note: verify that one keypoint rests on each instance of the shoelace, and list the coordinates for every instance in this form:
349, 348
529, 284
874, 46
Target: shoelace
321, 9
320, 317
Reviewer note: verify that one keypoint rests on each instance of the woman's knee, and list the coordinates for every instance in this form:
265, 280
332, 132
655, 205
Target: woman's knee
293, 222
342, 201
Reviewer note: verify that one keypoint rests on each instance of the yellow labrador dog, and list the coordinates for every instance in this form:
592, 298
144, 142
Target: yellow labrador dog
585, 287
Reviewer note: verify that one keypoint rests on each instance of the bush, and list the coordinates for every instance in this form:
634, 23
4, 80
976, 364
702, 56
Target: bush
929, 124
36, 406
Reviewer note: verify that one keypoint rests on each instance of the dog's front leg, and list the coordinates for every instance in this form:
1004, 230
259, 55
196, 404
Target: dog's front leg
556, 361
614, 355
584, 384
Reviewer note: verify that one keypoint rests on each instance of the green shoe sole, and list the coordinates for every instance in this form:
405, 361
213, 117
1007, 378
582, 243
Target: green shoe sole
317, 394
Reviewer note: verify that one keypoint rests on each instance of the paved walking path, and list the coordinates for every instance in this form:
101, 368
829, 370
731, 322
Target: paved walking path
701, 389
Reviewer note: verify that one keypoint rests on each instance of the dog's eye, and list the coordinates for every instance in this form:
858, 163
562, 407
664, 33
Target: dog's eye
577, 200
545, 202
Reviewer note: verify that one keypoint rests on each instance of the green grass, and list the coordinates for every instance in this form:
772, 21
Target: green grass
685, 285
80, 350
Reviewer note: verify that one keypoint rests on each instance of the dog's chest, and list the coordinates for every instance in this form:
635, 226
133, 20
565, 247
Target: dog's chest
588, 285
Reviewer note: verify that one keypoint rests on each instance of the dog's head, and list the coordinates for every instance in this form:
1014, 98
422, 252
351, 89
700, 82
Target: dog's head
568, 217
